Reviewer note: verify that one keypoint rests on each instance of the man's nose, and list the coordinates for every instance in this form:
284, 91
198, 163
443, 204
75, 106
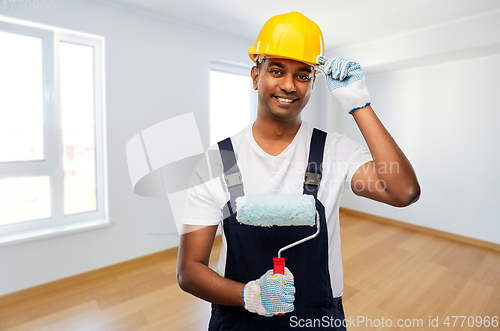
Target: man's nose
287, 84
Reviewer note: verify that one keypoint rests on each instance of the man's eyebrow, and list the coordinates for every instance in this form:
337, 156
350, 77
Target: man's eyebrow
304, 69
280, 65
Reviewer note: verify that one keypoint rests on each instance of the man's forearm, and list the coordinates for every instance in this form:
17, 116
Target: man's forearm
204, 283
393, 170
196, 277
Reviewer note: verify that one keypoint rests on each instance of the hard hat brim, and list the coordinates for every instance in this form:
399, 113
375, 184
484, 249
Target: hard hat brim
273, 56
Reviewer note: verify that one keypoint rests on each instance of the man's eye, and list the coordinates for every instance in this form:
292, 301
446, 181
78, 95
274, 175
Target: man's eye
274, 71
304, 77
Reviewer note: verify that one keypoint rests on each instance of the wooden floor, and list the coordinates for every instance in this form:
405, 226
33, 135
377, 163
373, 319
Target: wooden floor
389, 273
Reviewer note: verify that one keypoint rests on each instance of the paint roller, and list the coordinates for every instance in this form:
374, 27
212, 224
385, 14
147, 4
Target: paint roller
279, 210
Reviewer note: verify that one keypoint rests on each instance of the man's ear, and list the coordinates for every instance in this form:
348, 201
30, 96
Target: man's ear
255, 77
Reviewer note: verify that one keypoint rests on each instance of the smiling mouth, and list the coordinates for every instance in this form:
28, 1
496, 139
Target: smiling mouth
285, 100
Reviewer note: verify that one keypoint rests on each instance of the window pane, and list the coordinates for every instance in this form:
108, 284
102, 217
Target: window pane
21, 98
24, 199
230, 104
77, 105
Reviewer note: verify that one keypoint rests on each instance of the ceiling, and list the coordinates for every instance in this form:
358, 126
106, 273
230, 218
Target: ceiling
344, 23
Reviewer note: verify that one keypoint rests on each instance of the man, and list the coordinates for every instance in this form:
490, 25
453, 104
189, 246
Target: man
274, 156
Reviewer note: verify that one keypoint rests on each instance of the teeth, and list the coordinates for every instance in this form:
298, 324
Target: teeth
284, 100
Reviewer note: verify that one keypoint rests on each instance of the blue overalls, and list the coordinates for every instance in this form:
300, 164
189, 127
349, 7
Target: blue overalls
250, 252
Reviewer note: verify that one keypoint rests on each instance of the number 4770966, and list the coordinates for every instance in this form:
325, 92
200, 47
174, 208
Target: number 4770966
471, 321
27, 5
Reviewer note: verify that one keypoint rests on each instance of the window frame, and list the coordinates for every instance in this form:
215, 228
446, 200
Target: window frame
48, 163
52, 165
237, 69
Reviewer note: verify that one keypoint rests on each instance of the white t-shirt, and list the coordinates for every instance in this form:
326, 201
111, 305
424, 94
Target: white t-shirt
264, 174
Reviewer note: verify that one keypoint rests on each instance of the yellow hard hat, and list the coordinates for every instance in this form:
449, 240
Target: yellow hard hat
291, 36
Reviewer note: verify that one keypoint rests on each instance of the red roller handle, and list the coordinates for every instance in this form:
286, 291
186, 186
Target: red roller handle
279, 265
279, 268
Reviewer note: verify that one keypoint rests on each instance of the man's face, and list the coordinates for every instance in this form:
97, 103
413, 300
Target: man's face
284, 87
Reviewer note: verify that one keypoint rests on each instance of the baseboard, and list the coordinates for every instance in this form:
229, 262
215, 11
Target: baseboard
72, 280
438, 233
172, 253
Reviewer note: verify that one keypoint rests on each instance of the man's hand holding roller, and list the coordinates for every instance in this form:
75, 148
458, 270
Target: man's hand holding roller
271, 294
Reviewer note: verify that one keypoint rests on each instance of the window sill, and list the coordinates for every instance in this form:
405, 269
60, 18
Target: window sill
54, 231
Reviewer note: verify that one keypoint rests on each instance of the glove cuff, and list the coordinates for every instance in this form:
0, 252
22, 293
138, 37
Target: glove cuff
353, 96
252, 298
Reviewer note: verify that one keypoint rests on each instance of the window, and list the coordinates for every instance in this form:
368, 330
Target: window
51, 131
232, 100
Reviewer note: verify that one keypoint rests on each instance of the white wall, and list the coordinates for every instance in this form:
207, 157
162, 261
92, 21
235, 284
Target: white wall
155, 70
445, 118
437, 92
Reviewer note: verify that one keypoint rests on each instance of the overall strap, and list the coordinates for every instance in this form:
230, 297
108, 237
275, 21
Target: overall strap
313, 175
232, 176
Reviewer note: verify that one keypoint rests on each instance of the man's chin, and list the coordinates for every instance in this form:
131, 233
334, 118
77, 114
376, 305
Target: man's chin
286, 115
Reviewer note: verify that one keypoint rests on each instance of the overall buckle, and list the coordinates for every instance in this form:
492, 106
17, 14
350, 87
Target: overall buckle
312, 178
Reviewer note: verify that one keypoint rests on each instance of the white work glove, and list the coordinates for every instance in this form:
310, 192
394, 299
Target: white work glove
270, 295
346, 81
